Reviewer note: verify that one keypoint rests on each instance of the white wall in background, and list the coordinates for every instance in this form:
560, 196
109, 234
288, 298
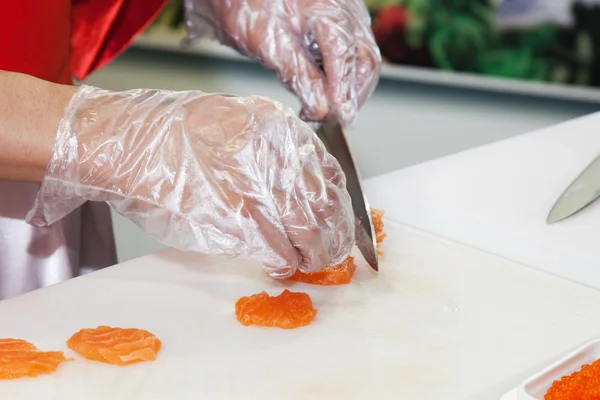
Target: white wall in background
403, 124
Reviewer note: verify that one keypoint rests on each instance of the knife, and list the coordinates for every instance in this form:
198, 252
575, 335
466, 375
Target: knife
332, 135
582, 192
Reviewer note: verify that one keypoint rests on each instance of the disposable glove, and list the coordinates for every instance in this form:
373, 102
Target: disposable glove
278, 34
209, 173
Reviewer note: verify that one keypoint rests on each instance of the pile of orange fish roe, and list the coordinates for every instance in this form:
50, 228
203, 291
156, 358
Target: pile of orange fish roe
581, 385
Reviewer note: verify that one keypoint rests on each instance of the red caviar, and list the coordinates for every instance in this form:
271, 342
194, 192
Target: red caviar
581, 385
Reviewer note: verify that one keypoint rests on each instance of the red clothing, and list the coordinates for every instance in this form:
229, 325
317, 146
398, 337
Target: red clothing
35, 38
56, 39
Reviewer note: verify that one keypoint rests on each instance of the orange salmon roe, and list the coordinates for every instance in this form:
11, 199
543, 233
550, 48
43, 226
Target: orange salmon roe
581, 385
377, 218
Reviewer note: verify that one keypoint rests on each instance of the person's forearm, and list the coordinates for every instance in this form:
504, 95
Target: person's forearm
30, 111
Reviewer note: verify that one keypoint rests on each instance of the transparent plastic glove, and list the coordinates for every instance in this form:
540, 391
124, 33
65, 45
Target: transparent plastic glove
277, 33
204, 172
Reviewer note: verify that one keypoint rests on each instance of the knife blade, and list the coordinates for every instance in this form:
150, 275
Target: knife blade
332, 135
582, 192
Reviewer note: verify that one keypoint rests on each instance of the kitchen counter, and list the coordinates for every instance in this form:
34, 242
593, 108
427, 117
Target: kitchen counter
497, 197
440, 320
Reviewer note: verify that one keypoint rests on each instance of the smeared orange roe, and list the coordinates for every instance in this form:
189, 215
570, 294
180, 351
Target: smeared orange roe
581, 385
340, 274
377, 217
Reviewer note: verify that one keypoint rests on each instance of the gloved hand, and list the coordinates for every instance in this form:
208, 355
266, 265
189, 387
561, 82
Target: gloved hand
277, 33
205, 172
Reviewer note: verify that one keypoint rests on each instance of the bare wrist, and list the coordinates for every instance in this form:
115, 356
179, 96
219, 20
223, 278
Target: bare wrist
31, 110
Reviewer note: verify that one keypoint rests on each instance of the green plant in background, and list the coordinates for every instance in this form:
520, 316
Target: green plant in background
542, 53
461, 35
171, 17
521, 55
375, 4
418, 11
585, 49
460, 32
587, 42
453, 32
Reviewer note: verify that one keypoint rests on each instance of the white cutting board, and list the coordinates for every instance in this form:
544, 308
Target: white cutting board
440, 321
497, 197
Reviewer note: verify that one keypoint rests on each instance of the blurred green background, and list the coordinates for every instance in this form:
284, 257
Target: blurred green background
465, 36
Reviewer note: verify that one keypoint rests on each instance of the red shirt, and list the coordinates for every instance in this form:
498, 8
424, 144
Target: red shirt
57, 39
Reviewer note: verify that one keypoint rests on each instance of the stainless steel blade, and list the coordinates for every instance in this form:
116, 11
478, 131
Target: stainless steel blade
583, 191
332, 135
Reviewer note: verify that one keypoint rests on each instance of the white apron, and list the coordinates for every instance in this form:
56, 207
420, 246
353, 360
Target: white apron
31, 257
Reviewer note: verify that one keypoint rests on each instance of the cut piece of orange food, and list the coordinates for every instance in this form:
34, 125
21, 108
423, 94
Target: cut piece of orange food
289, 310
19, 359
332, 275
341, 274
377, 218
116, 346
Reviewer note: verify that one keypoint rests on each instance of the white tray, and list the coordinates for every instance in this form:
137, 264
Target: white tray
536, 386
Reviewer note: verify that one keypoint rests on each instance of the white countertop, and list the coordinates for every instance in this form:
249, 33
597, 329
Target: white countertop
441, 319
497, 197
